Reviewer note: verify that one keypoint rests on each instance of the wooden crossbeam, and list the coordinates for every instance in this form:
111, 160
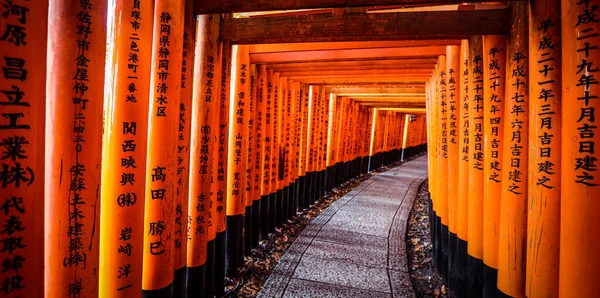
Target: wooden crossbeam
366, 27
379, 72
295, 47
329, 55
225, 6
358, 62
375, 89
394, 105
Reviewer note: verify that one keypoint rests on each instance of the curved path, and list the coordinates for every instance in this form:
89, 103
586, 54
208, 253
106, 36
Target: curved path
354, 248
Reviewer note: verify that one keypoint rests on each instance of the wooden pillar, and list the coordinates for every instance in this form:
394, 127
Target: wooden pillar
281, 144
462, 204
183, 151
219, 173
476, 165
543, 213
580, 184
513, 210
262, 148
453, 116
122, 204
75, 95
161, 163
268, 150
22, 106
304, 106
443, 166
202, 228
238, 102
275, 111
494, 87
249, 193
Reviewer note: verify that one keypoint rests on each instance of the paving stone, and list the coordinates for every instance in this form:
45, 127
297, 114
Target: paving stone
305, 288
344, 274
372, 256
354, 248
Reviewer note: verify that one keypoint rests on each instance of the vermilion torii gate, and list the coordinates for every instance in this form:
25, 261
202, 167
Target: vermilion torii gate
147, 146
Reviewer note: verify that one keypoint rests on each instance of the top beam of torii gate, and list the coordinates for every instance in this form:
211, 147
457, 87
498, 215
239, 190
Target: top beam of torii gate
225, 6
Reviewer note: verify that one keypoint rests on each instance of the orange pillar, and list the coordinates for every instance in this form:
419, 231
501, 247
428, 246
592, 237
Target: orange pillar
204, 109
462, 204
122, 204
281, 144
235, 159
513, 211
443, 166
183, 151
262, 149
543, 213
275, 111
267, 152
75, 94
494, 86
476, 165
22, 107
453, 116
580, 183
248, 192
219, 173
161, 172
303, 102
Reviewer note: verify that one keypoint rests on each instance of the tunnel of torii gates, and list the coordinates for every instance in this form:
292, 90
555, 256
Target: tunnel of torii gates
147, 146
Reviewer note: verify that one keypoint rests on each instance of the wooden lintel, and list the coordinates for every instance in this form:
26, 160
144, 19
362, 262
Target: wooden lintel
366, 27
376, 89
224, 6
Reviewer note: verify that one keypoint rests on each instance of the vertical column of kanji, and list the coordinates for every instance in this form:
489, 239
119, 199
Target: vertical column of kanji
314, 139
462, 205
580, 184
306, 100
319, 145
256, 183
543, 213
331, 133
475, 197
261, 137
249, 164
124, 151
287, 116
219, 173
165, 93
280, 171
291, 152
308, 161
494, 74
235, 161
183, 150
297, 169
324, 141
434, 184
513, 211
276, 192
268, 148
23, 41
367, 137
453, 116
201, 226
76, 58
443, 166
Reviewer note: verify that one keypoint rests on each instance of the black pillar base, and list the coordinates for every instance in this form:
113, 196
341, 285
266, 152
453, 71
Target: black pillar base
179, 283
438, 244
278, 208
445, 242
256, 224
490, 282
264, 217
460, 264
248, 219
210, 268
219, 265
272, 211
166, 292
196, 281
233, 242
474, 277
451, 264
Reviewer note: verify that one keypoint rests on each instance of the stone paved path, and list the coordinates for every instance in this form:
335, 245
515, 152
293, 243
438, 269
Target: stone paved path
354, 248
